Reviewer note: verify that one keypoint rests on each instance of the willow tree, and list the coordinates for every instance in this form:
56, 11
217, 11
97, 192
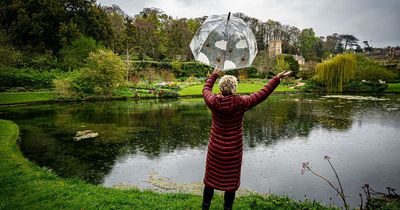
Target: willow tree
336, 72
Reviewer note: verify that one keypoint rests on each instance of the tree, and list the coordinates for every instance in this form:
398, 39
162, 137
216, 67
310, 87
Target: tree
48, 25
118, 26
147, 34
74, 55
178, 37
336, 72
332, 44
307, 41
349, 40
318, 49
367, 48
264, 63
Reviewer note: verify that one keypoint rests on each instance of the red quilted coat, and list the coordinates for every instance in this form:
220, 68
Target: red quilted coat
225, 146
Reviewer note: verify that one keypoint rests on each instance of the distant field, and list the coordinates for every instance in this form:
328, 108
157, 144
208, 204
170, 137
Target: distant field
242, 88
21, 97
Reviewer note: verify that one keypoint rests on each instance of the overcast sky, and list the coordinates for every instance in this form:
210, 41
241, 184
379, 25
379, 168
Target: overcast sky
377, 21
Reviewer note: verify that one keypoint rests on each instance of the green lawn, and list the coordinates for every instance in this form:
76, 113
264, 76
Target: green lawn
22, 97
243, 88
393, 88
24, 185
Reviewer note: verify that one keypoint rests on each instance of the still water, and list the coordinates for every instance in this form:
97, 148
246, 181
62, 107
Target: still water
168, 139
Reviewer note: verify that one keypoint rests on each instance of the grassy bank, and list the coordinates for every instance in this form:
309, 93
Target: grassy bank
393, 88
24, 185
243, 88
23, 97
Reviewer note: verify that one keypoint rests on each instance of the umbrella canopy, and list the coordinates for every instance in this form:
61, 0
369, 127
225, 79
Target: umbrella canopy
225, 42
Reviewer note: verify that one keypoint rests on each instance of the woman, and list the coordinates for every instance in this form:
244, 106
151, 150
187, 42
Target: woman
225, 147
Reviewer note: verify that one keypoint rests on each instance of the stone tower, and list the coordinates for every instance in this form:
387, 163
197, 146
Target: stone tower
274, 48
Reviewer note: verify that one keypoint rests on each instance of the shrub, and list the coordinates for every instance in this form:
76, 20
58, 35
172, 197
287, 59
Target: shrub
167, 75
63, 87
360, 87
313, 86
242, 74
10, 57
69, 84
308, 70
150, 75
293, 65
103, 72
369, 70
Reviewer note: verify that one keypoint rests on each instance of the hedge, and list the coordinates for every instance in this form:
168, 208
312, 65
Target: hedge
27, 78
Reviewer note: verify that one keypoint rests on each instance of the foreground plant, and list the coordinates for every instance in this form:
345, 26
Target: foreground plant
338, 189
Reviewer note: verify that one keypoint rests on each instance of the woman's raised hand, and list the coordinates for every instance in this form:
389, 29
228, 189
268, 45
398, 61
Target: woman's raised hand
217, 71
284, 74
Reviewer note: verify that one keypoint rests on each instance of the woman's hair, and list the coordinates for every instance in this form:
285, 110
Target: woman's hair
227, 84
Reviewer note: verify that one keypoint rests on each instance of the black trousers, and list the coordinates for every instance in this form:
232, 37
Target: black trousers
208, 194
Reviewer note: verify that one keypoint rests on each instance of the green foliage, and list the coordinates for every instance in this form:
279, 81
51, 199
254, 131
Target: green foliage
74, 55
307, 70
40, 62
336, 72
314, 86
11, 57
69, 84
118, 32
362, 87
27, 78
264, 64
178, 35
369, 70
286, 62
307, 40
103, 72
281, 64
47, 25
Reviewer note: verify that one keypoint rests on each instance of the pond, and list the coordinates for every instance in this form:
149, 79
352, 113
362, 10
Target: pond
161, 144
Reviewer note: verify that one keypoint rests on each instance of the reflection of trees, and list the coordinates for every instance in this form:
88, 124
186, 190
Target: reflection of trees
124, 128
85, 160
276, 119
283, 117
153, 128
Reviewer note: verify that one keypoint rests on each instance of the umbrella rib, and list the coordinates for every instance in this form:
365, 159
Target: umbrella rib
201, 46
248, 44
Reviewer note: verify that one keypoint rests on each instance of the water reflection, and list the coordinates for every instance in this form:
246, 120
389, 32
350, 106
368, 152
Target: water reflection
154, 132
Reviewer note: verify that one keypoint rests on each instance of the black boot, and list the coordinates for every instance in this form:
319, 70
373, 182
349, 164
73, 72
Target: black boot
227, 208
206, 206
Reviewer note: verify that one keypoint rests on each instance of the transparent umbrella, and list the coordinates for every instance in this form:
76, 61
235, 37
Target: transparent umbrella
225, 42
